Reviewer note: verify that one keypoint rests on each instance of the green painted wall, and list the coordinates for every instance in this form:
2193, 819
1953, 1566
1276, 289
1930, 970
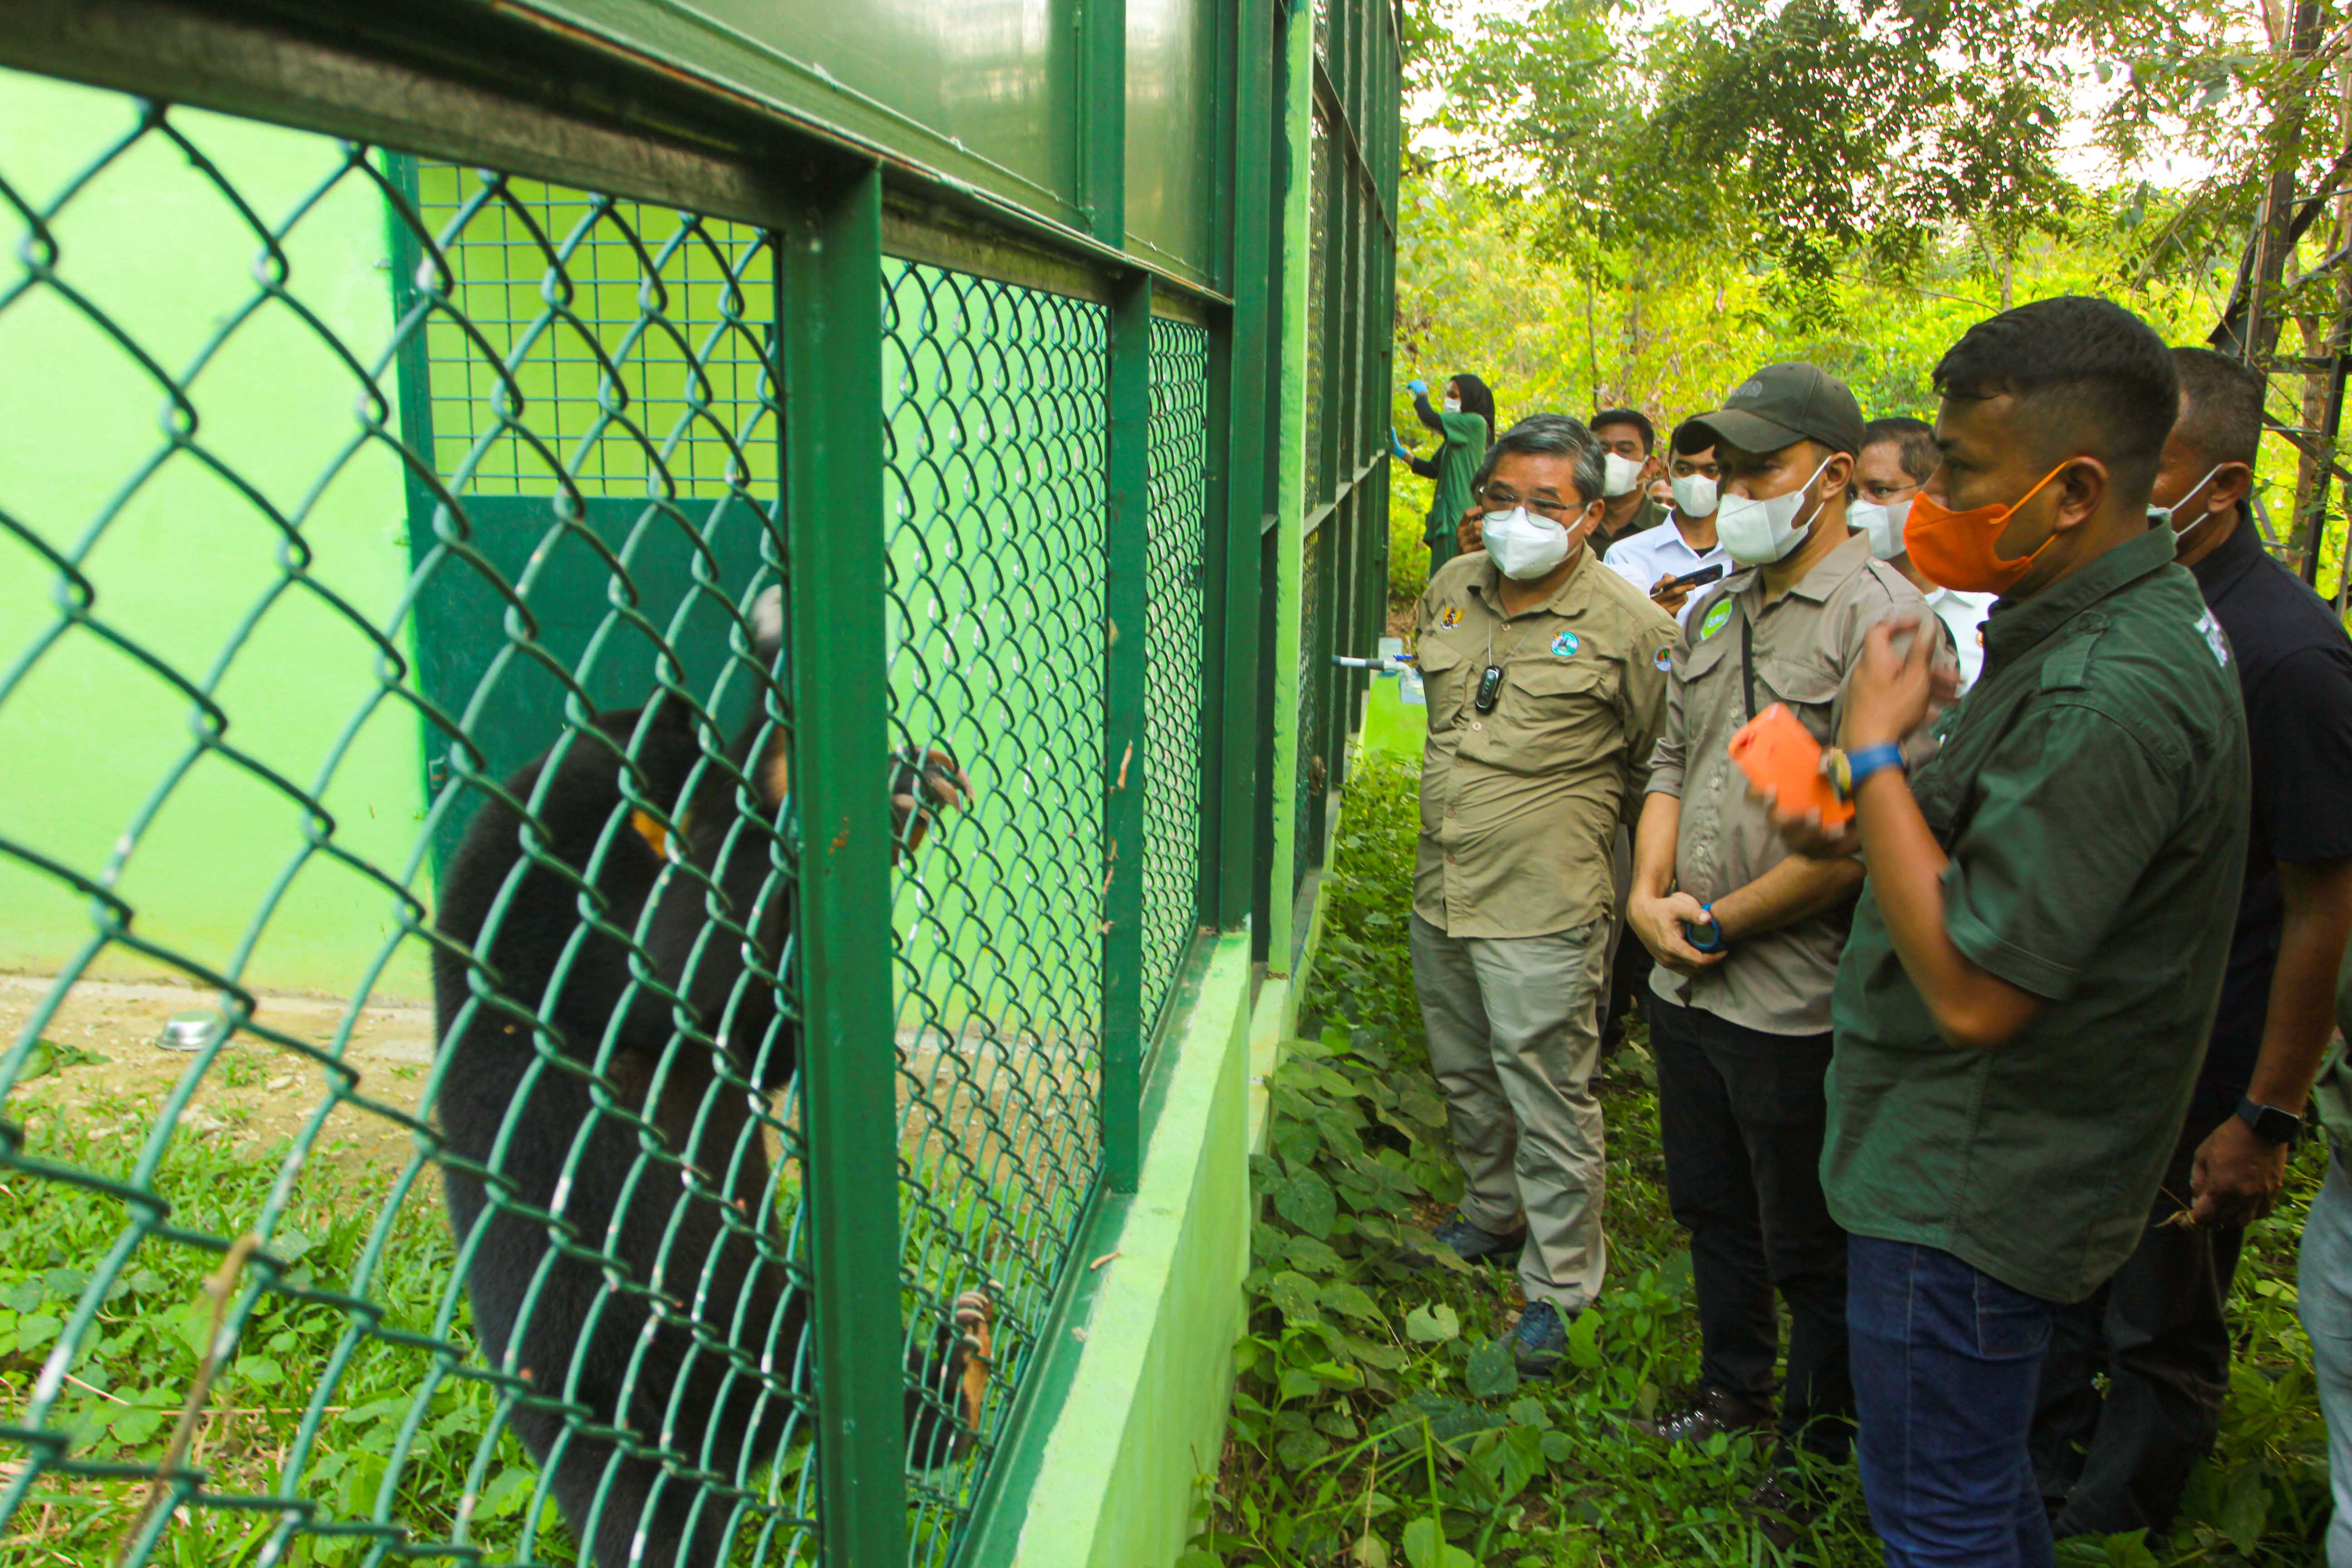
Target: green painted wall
185, 562
1132, 1399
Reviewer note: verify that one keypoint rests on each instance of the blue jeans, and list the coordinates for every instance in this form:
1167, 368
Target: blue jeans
1946, 1362
2325, 1295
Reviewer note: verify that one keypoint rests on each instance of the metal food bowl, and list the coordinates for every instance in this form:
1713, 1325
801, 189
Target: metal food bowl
191, 1031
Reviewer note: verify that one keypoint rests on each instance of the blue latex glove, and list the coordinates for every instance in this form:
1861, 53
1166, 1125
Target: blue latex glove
1396, 444
1417, 386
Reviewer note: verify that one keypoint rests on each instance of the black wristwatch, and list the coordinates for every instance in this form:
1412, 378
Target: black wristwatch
2271, 1124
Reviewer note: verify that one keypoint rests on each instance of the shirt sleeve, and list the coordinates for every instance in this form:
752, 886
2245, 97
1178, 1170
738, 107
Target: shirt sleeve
2070, 813
1666, 756
1644, 699
1869, 610
2299, 732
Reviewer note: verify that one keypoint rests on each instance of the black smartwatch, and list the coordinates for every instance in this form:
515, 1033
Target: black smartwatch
2271, 1124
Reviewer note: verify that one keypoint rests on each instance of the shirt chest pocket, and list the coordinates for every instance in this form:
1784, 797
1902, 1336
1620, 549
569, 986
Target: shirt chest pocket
1555, 709
1445, 675
1808, 685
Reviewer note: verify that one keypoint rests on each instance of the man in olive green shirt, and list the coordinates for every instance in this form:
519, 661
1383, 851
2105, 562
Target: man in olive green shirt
2036, 960
1739, 1024
1547, 681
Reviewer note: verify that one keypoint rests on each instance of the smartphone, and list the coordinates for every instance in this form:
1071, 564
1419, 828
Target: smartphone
1779, 753
1699, 578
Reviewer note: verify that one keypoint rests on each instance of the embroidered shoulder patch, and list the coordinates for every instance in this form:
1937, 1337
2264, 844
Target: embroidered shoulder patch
1715, 619
2214, 639
1449, 617
1665, 661
1565, 645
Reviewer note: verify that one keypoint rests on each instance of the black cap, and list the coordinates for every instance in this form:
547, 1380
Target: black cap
1782, 404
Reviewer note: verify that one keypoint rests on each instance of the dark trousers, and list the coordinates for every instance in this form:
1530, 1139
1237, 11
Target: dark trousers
1946, 1360
1741, 1113
2159, 1331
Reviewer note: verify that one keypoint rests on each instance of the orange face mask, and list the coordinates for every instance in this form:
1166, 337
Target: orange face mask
1956, 548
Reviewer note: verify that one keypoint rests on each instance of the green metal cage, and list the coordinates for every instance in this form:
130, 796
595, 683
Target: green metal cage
872, 510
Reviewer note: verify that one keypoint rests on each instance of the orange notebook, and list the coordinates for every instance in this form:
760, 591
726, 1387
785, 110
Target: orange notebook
1779, 753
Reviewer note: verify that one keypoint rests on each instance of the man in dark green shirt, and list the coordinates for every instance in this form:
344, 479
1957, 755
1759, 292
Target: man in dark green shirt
1628, 458
2037, 953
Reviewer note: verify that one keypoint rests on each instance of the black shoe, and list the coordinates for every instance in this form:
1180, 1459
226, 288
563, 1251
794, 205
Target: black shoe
1469, 1243
1708, 1411
1779, 1516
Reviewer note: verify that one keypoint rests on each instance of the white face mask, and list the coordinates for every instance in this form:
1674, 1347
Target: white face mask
1453, 405
1524, 546
1757, 533
1620, 475
1694, 495
2165, 514
1883, 523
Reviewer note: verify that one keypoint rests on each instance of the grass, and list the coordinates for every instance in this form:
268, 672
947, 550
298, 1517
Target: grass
122, 1392
316, 1407
1379, 1419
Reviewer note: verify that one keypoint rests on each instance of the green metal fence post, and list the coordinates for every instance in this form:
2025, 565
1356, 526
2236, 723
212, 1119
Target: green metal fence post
1291, 489
829, 295
1126, 647
1245, 366
1102, 118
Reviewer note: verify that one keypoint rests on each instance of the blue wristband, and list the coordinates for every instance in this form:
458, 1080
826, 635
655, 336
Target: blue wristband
1690, 931
1856, 766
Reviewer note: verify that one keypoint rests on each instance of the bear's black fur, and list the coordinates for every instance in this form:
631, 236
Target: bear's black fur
637, 1139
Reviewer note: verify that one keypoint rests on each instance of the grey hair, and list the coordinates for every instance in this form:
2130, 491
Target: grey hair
1549, 436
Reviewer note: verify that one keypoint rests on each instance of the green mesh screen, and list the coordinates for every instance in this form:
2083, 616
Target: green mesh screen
1172, 711
995, 452
1314, 676
318, 521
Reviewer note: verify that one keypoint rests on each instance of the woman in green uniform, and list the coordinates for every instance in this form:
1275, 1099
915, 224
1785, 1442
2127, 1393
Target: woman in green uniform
1466, 426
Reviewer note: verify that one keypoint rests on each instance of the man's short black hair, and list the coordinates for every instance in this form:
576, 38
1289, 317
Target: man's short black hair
1914, 444
2091, 372
1690, 438
2220, 407
1633, 417
1549, 436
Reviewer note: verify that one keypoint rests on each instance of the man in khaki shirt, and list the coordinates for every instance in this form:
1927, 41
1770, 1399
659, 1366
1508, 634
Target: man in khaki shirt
1746, 936
1547, 681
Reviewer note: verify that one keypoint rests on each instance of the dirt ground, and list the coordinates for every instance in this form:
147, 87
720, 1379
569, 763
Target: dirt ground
1007, 1103
256, 1091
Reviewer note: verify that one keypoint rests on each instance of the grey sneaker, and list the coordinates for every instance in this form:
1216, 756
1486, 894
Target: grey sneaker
1474, 1243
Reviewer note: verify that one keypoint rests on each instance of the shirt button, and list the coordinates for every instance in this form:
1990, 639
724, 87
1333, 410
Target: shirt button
1475, 724
1449, 859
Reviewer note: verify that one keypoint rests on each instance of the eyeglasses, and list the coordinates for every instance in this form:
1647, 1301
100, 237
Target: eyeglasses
1500, 499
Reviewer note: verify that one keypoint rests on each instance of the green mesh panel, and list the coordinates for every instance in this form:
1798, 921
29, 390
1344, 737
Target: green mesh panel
1313, 675
1319, 229
995, 450
1172, 712
447, 465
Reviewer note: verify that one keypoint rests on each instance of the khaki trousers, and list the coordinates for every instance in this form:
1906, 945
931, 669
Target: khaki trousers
1513, 1038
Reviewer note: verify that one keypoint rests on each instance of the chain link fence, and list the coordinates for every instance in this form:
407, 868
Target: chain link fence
1174, 635
394, 672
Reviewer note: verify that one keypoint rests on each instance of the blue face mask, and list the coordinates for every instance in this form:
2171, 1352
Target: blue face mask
2165, 514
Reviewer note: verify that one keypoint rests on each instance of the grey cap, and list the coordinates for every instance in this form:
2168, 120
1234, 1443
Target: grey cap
1783, 404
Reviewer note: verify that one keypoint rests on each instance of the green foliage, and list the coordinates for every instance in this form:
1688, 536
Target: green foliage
1379, 1419
122, 1395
